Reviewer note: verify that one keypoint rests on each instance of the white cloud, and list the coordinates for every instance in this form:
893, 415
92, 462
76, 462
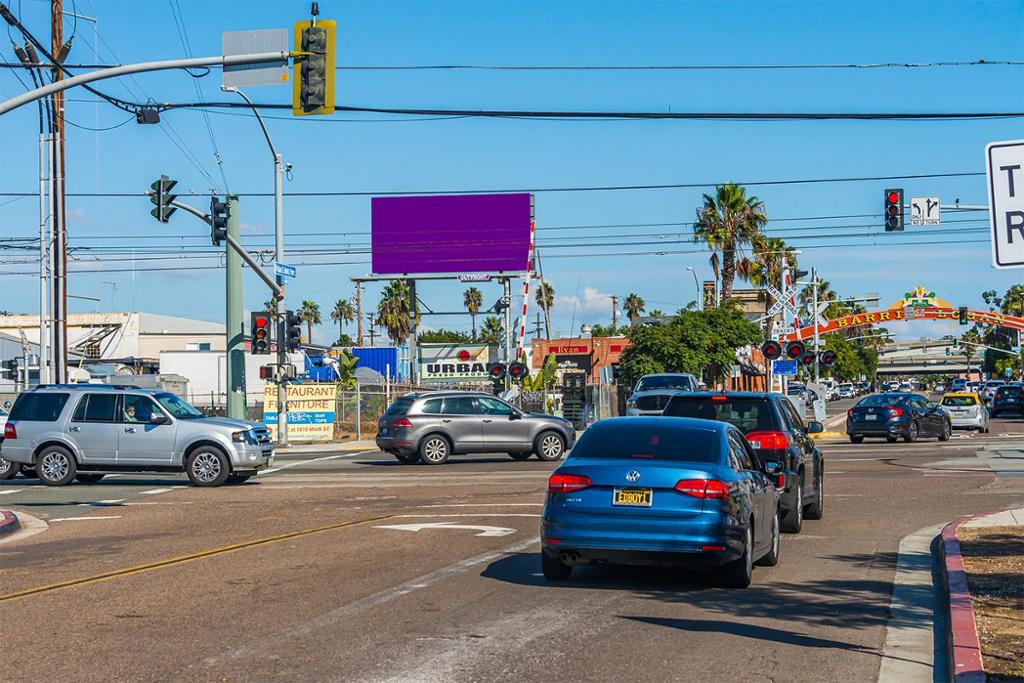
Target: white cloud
592, 301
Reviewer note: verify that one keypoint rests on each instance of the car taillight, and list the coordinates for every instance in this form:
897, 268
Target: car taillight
703, 488
567, 483
849, 413
10, 432
780, 480
895, 412
772, 441
403, 422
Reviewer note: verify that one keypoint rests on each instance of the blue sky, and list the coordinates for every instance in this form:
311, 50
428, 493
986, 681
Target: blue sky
367, 153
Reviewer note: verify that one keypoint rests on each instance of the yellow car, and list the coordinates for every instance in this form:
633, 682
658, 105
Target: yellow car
966, 411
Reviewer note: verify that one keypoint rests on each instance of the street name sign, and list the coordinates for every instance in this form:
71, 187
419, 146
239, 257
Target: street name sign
924, 211
1004, 166
784, 367
284, 272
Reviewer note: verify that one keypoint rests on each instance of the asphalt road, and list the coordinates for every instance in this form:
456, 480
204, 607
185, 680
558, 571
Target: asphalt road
301, 575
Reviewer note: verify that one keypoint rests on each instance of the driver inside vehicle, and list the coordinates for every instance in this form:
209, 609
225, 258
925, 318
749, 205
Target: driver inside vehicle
129, 414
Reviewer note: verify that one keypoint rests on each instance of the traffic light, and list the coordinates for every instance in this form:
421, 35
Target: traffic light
292, 331
496, 371
963, 315
795, 349
313, 74
808, 358
518, 371
162, 198
827, 358
259, 328
11, 368
894, 210
267, 372
771, 349
218, 221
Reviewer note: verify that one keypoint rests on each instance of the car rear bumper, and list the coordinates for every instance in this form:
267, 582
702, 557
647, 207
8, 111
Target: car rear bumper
708, 559
872, 429
390, 444
966, 422
12, 452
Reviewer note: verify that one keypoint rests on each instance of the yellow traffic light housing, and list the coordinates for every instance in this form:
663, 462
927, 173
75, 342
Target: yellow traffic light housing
313, 68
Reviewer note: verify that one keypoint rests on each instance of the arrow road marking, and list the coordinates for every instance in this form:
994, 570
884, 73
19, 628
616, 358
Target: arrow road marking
486, 531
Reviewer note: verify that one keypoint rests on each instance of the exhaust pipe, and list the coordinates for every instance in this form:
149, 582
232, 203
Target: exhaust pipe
569, 557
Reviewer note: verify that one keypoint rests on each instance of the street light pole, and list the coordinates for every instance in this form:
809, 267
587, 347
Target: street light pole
700, 292
279, 307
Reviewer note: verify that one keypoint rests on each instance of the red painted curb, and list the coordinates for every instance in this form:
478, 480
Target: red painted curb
963, 632
8, 523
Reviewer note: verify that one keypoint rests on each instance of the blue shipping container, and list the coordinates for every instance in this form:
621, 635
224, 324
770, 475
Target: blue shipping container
383, 359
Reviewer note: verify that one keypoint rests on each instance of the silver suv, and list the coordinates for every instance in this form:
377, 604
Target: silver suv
428, 427
81, 431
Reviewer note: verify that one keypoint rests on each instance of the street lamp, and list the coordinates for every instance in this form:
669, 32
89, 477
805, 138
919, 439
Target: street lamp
700, 293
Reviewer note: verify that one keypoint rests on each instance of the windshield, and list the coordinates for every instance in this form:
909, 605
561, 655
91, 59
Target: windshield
959, 401
883, 400
178, 407
665, 382
617, 439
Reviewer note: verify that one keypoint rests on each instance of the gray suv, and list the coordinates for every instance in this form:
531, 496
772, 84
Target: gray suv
81, 431
429, 427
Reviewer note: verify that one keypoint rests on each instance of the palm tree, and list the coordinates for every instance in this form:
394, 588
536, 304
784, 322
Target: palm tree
342, 313
634, 306
310, 314
394, 311
491, 330
728, 222
657, 313
546, 299
270, 306
472, 299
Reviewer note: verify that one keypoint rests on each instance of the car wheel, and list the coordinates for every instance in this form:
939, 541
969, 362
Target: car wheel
207, 466
793, 520
738, 573
407, 458
520, 456
86, 478
434, 450
856, 439
8, 469
913, 431
237, 478
549, 446
553, 568
947, 431
771, 558
817, 509
55, 466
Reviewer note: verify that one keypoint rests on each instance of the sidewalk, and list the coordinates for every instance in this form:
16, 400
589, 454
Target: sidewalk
330, 447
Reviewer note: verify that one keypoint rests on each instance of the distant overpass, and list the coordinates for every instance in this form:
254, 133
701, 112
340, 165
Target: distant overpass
923, 356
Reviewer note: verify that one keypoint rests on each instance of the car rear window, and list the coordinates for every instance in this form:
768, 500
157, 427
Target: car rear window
618, 440
1009, 391
400, 407
959, 401
680, 383
746, 414
38, 407
883, 400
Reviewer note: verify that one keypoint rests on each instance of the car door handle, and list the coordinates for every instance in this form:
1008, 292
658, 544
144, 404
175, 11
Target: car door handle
74, 429
488, 420
447, 419
129, 430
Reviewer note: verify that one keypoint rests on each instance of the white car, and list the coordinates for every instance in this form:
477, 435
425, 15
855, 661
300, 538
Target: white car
847, 391
653, 392
988, 390
940, 388
7, 469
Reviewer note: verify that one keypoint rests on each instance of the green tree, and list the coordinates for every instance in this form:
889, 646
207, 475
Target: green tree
491, 331
766, 267
728, 222
443, 336
633, 305
342, 313
605, 331
1013, 301
545, 298
395, 312
473, 299
657, 313
346, 369
546, 378
309, 313
344, 340
270, 306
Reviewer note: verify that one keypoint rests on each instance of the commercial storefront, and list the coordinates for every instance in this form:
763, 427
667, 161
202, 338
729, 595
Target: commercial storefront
590, 355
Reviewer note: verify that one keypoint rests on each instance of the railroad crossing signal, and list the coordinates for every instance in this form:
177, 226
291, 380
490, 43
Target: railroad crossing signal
894, 210
771, 349
496, 371
518, 371
218, 221
313, 89
162, 198
259, 328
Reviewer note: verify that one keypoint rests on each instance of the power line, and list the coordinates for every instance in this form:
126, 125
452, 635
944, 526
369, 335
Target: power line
673, 67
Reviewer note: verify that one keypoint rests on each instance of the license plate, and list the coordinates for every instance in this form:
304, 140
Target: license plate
632, 497
870, 417
383, 431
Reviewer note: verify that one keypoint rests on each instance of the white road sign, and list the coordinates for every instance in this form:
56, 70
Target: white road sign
1004, 163
924, 211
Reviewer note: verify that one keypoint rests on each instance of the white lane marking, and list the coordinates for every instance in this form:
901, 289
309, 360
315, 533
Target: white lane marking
473, 514
4, 493
306, 462
153, 492
83, 519
169, 502
485, 531
479, 505
100, 503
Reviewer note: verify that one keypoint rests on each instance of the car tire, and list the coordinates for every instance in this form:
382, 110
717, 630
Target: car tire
913, 431
771, 558
237, 478
553, 568
793, 520
8, 469
947, 431
434, 450
55, 466
737, 574
88, 477
816, 510
549, 446
856, 439
520, 456
207, 466
407, 458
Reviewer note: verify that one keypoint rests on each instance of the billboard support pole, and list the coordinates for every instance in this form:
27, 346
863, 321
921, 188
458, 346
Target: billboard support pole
413, 355
507, 343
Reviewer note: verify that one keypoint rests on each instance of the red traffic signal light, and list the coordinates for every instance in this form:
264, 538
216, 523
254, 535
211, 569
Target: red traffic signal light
827, 358
267, 372
893, 210
771, 349
808, 358
260, 330
496, 371
795, 349
518, 371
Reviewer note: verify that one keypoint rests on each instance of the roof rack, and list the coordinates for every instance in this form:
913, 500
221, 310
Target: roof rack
86, 385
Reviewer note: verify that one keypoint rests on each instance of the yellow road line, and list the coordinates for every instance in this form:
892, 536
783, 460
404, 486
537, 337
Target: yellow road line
117, 573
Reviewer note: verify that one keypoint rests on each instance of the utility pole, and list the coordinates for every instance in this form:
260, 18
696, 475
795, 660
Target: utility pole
615, 314
59, 244
814, 319
235, 349
359, 314
373, 333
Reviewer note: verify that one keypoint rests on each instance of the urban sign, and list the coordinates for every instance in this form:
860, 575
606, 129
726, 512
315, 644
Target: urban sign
925, 211
310, 411
454, 362
583, 362
284, 272
474, 277
1004, 165
784, 367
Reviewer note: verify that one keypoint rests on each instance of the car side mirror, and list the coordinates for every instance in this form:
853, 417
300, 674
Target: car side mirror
515, 416
158, 419
815, 427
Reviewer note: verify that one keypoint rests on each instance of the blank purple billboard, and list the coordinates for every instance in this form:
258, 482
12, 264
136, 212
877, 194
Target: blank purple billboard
480, 233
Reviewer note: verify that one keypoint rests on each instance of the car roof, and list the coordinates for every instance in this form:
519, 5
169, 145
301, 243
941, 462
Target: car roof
729, 394
440, 393
654, 421
962, 394
94, 387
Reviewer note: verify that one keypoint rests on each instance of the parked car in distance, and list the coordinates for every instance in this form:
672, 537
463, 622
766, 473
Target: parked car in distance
652, 392
83, 431
905, 387
429, 427
988, 389
896, 415
1008, 399
958, 384
782, 443
661, 491
863, 387
847, 391
939, 389
966, 411
974, 387
796, 390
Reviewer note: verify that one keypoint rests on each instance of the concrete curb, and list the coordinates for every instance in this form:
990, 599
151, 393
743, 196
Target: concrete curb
964, 645
8, 523
828, 435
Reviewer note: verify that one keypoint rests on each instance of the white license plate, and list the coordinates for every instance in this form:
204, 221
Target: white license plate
870, 417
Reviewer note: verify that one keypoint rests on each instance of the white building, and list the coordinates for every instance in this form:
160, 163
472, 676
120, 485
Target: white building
207, 374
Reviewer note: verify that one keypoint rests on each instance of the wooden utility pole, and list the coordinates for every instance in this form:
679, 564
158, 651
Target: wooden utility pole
615, 313
60, 238
359, 314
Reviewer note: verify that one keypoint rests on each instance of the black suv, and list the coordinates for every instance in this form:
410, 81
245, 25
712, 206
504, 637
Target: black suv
1008, 398
780, 439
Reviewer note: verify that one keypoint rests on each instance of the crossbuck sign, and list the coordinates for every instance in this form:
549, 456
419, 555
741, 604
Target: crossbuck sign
1005, 169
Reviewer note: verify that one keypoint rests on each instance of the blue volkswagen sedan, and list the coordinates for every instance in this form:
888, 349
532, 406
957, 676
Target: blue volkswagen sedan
661, 491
